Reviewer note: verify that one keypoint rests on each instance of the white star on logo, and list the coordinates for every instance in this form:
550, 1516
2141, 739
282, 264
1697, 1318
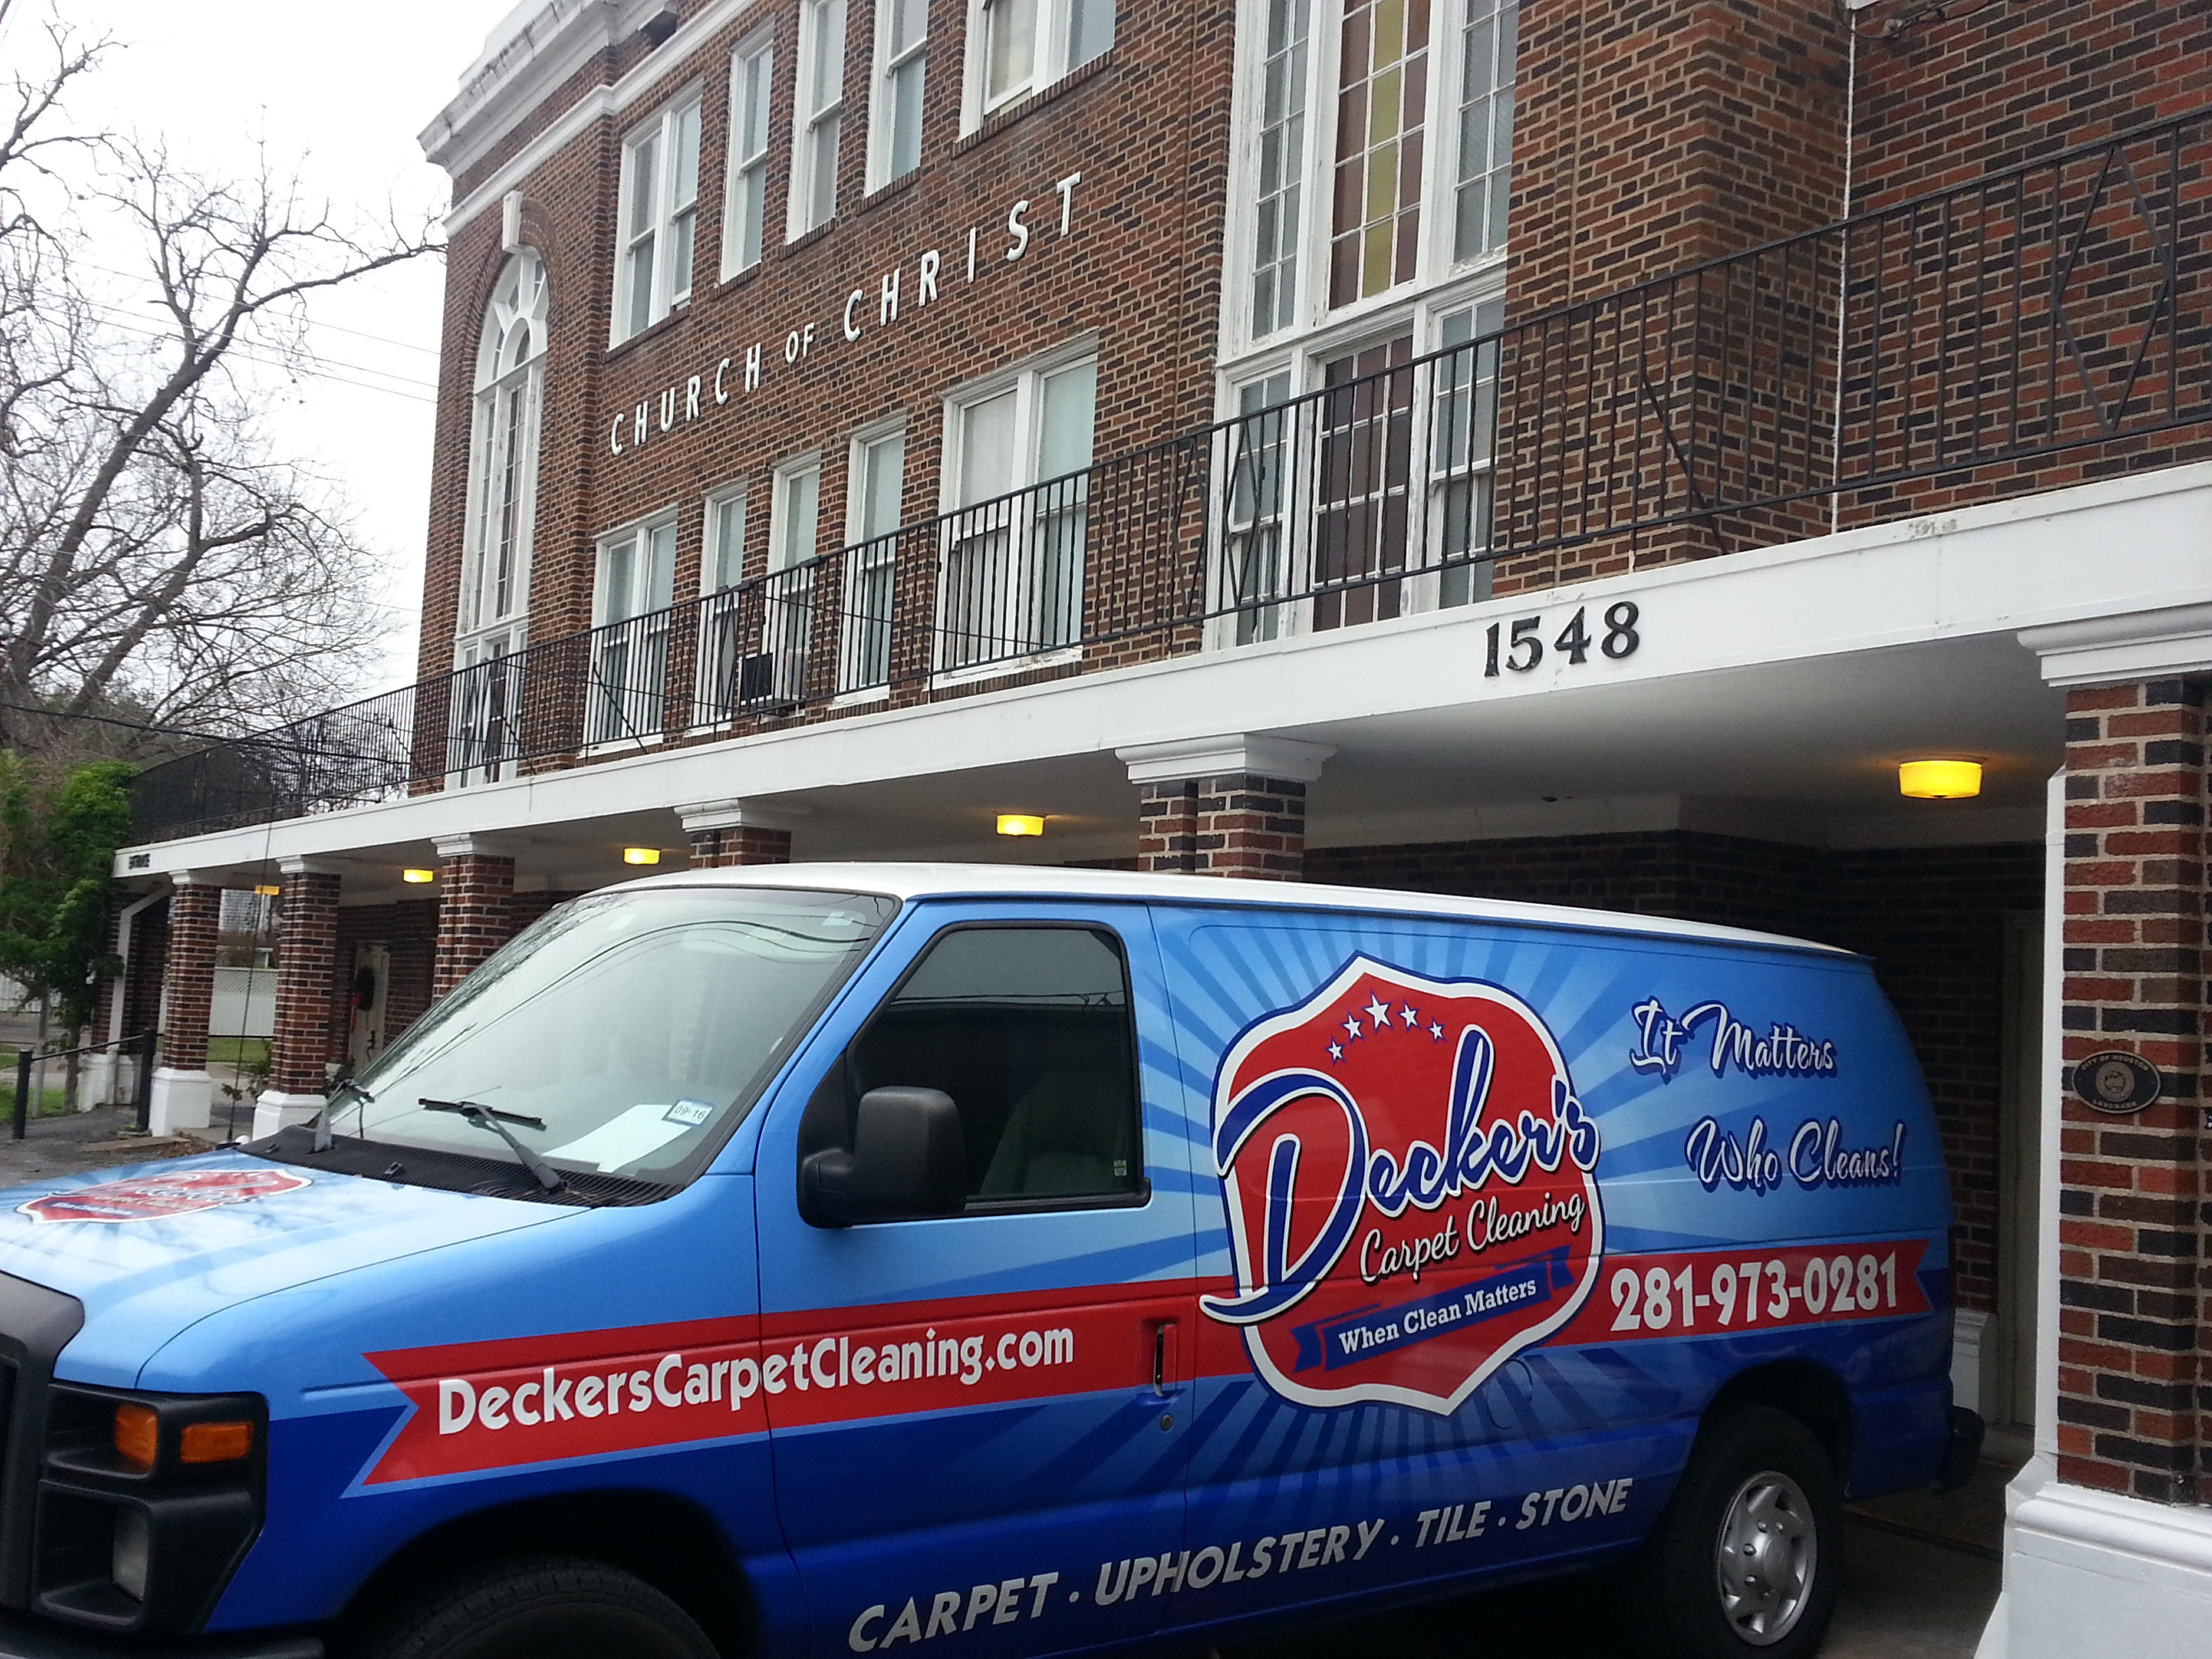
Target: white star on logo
1336, 1051
1352, 1026
1379, 1011
1437, 1032
1407, 1012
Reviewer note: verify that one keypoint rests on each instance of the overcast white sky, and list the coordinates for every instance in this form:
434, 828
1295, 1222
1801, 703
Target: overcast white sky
343, 89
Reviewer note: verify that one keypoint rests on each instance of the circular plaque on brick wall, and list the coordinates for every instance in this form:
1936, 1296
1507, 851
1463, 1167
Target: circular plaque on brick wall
2117, 1082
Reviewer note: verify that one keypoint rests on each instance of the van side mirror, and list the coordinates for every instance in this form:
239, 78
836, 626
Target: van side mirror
909, 1160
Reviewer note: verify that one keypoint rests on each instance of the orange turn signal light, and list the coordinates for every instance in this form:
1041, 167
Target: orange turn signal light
215, 1443
138, 1434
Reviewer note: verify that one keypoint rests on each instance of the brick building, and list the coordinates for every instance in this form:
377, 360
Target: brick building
1569, 451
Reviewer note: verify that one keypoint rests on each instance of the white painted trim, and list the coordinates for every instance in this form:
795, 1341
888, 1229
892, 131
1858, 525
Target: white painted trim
274, 1109
179, 1100
2050, 1102
297, 866
1988, 572
2132, 645
475, 845
740, 815
1211, 758
1968, 1326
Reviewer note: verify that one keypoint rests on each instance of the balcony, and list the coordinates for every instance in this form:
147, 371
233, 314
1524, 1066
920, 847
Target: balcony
2033, 328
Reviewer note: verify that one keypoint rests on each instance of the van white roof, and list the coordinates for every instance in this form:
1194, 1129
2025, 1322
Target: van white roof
916, 881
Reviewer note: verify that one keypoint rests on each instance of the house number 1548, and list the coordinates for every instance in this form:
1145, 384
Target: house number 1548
1519, 645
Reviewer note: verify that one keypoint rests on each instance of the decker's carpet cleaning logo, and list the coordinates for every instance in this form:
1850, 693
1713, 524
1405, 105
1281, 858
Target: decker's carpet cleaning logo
156, 1197
1412, 1189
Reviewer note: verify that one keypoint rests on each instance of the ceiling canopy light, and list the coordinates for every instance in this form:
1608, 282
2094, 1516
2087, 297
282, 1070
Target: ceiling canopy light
641, 855
1021, 823
417, 878
1940, 780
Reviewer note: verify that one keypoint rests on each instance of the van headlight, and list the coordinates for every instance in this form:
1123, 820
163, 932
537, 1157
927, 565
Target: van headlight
146, 1505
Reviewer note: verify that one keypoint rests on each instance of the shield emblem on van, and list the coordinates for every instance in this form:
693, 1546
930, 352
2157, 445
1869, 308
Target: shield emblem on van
1412, 1189
156, 1197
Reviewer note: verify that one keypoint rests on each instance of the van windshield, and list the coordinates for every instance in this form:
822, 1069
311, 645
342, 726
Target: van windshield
634, 1027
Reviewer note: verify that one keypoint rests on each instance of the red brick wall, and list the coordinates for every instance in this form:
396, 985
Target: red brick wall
1237, 825
731, 849
194, 912
149, 961
474, 894
2135, 1351
409, 931
307, 972
1146, 127
1932, 919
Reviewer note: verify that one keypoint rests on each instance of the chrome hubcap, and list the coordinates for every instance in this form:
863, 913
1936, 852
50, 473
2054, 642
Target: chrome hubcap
1766, 1557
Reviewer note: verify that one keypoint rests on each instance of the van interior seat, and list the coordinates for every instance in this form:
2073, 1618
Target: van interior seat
1068, 1133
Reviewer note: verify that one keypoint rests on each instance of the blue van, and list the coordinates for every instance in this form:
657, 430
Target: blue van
845, 1259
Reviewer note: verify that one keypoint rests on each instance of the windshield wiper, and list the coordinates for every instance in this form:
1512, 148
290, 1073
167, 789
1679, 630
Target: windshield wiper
326, 1119
491, 1118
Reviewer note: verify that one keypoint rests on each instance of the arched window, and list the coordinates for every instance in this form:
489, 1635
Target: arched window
503, 463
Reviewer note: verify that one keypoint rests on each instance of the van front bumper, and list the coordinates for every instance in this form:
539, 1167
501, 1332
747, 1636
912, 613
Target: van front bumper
38, 1639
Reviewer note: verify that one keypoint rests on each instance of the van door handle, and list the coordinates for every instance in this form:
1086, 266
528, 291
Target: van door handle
1165, 1376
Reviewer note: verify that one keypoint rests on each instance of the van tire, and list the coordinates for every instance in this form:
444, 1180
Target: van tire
1759, 1484
539, 1608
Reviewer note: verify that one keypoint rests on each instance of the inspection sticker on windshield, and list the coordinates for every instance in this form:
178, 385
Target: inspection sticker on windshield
690, 1112
151, 1198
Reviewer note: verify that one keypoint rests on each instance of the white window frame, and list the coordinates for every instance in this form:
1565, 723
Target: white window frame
721, 606
712, 554
745, 179
1050, 66
633, 714
1317, 326
883, 124
866, 558
1026, 378
673, 203
807, 126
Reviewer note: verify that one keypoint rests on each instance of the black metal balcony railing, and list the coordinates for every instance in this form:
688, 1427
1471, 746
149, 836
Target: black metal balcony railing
1872, 368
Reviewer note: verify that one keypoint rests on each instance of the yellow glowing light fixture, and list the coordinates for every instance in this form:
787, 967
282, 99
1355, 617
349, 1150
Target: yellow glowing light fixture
417, 878
1940, 780
269, 892
641, 855
1021, 823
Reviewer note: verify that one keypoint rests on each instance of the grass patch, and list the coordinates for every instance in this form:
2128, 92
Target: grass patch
54, 1098
238, 1051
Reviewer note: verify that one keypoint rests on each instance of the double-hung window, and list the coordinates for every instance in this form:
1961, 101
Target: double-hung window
874, 510
510, 393
895, 115
1022, 47
629, 634
721, 569
658, 216
820, 115
745, 191
778, 675
1013, 585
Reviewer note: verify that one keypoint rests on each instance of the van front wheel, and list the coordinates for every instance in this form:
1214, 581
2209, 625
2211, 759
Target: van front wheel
1745, 1563
545, 1608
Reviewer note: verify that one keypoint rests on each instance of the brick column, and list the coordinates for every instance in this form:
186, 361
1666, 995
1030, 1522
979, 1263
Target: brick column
476, 888
2133, 1339
727, 834
306, 962
1224, 807
182, 1089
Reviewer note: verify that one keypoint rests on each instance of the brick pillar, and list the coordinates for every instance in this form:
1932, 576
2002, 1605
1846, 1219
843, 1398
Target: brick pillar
475, 890
1224, 807
307, 961
182, 1091
2133, 1340
727, 834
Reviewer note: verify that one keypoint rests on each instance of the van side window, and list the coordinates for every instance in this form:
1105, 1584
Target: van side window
1030, 1031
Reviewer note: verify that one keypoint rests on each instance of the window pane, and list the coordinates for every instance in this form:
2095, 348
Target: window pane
987, 448
1090, 30
1381, 116
1486, 128
680, 235
754, 127
1010, 47
908, 20
802, 503
726, 542
827, 85
755, 186
685, 187
905, 91
1029, 1031
644, 183
882, 476
1282, 144
617, 569
660, 568
1065, 441
822, 205
641, 285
